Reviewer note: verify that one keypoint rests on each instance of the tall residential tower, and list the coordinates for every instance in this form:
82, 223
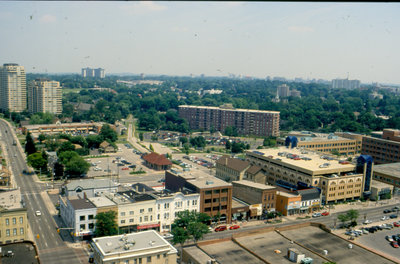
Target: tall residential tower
44, 96
12, 87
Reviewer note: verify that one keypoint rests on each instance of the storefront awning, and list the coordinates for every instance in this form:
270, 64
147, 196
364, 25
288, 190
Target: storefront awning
147, 226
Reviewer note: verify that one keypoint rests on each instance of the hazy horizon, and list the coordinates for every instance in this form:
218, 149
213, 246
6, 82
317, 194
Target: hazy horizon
258, 39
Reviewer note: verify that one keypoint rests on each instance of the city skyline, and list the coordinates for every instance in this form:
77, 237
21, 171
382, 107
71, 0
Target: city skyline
304, 40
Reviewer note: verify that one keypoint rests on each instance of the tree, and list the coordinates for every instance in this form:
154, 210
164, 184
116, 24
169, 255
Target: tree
37, 161
107, 132
41, 138
228, 144
197, 230
237, 147
343, 218
353, 215
74, 164
58, 170
30, 147
199, 142
65, 146
180, 235
141, 136
231, 131
183, 140
106, 224
151, 148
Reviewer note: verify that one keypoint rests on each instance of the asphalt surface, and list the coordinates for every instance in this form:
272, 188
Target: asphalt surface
52, 249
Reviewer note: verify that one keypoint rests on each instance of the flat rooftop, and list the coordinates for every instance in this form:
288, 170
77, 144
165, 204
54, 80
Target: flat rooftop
254, 185
380, 185
10, 200
146, 240
90, 184
201, 179
101, 201
63, 125
390, 169
80, 203
310, 162
305, 136
231, 109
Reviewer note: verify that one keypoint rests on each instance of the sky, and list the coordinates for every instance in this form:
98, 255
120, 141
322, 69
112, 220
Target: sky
259, 39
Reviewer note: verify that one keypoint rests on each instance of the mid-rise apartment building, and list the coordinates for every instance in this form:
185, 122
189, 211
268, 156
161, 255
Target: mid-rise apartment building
383, 150
94, 73
246, 121
215, 194
12, 87
295, 168
327, 143
44, 96
345, 84
283, 91
138, 248
13, 217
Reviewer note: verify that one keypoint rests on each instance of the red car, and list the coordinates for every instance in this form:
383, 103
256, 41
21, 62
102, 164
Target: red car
394, 244
220, 228
232, 227
325, 213
396, 224
125, 168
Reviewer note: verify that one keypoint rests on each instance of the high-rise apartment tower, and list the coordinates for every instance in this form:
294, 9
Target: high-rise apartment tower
12, 87
44, 96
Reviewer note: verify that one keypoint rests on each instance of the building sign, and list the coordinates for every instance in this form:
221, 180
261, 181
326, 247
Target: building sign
147, 226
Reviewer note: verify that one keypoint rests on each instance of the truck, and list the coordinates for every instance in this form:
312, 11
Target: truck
14, 142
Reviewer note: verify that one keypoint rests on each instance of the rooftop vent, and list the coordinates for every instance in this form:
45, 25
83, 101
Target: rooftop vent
209, 182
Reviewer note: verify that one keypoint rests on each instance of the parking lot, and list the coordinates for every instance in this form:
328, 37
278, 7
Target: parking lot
265, 244
378, 242
318, 240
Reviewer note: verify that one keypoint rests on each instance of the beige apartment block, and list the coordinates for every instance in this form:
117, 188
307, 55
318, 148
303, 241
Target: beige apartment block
338, 180
44, 96
12, 87
327, 143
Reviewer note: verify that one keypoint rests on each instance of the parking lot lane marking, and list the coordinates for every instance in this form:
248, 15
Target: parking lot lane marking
46, 244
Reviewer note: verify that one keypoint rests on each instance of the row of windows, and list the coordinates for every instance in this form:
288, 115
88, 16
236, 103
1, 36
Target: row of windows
215, 208
14, 232
140, 260
217, 191
83, 217
14, 220
216, 200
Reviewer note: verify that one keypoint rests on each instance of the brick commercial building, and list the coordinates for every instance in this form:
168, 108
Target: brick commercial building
255, 193
231, 169
246, 121
215, 194
385, 149
157, 161
388, 173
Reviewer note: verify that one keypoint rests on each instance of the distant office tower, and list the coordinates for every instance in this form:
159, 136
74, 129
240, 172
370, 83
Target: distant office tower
283, 91
345, 84
246, 121
94, 73
44, 96
12, 87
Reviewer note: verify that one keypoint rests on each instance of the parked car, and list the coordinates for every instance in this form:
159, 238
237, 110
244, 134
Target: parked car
232, 227
125, 168
396, 224
383, 218
316, 214
393, 216
394, 244
38, 213
325, 213
132, 166
220, 228
386, 211
367, 222
168, 236
389, 238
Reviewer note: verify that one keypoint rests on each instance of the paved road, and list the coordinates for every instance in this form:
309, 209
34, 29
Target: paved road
52, 248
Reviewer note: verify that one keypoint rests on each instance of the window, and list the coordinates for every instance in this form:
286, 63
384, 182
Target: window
21, 231
14, 232
158, 256
130, 212
158, 217
8, 232
140, 260
7, 221
141, 211
194, 202
14, 220
91, 226
207, 192
122, 213
150, 210
131, 220
216, 191
82, 218
90, 217
148, 259
146, 218
21, 220
140, 219
122, 221
82, 227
